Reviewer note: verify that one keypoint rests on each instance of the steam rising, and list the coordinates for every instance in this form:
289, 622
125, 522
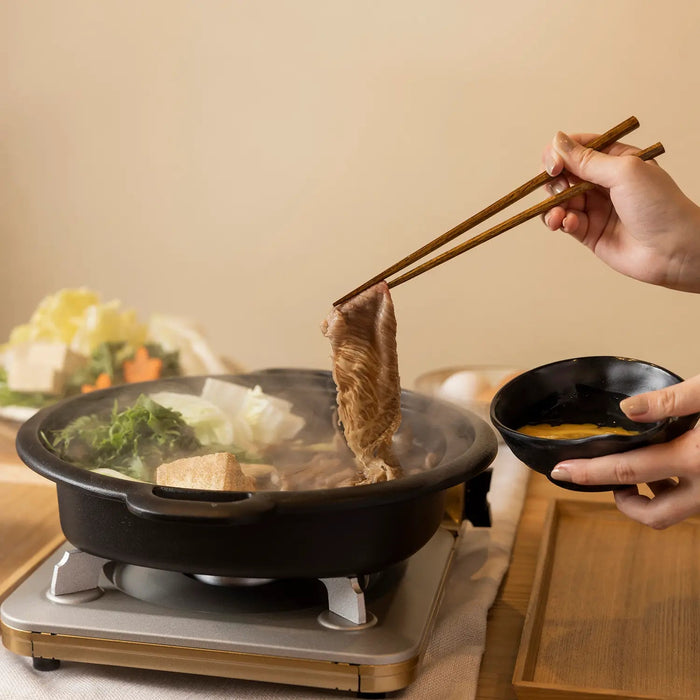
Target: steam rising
432, 432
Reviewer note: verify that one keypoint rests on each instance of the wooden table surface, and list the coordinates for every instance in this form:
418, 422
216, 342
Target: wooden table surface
29, 527
30, 530
507, 615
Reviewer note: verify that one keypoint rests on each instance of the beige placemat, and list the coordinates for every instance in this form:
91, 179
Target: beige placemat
450, 667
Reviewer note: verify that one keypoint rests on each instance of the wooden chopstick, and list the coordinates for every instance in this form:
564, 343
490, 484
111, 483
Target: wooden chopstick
647, 154
602, 141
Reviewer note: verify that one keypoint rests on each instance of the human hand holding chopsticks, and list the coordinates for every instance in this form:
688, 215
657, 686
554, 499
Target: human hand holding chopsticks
637, 220
599, 142
640, 223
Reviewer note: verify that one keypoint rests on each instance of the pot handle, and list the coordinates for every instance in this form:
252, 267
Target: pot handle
159, 503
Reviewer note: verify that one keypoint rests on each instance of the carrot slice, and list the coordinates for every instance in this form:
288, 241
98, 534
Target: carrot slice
103, 381
143, 368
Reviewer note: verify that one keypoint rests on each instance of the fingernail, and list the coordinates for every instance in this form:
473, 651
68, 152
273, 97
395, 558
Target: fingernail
558, 187
561, 473
634, 405
563, 143
550, 163
545, 218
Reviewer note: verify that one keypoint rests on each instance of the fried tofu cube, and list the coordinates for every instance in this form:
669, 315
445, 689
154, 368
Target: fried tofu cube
216, 472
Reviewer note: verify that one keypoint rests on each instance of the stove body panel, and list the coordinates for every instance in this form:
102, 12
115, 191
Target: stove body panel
237, 636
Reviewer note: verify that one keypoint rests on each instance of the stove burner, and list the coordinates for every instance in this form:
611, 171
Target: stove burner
231, 580
178, 591
280, 631
75, 581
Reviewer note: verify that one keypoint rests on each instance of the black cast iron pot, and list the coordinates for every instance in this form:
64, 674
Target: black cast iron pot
266, 534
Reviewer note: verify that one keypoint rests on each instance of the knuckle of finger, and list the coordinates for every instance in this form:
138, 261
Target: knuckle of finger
631, 166
658, 522
583, 476
667, 402
585, 157
624, 473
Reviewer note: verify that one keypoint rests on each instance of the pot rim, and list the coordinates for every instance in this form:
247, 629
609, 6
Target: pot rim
460, 468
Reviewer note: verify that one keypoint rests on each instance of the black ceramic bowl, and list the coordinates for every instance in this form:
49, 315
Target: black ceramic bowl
581, 390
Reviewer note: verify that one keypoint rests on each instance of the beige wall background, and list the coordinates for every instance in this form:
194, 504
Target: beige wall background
246, 163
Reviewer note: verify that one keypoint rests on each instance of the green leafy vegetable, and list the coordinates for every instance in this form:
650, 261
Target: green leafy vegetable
134, 440
109, 358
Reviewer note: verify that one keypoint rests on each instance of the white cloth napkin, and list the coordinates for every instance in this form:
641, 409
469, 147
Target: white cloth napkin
450, 668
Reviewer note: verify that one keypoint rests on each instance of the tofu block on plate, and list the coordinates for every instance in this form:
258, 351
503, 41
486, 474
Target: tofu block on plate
217, 472
41, 366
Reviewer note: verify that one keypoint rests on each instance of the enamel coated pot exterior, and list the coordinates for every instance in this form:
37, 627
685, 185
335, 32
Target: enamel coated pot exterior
283, 545
268, 534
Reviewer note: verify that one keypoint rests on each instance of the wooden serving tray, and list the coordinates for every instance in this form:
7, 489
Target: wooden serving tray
614, 611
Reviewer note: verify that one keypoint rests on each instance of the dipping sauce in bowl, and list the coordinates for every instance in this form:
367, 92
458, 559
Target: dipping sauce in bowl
573, 431
579, 402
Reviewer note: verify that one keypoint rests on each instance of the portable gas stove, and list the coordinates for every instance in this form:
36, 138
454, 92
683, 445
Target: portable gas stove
364, 634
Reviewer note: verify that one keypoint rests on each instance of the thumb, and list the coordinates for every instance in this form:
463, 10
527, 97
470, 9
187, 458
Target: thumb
680, 399
586, 163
